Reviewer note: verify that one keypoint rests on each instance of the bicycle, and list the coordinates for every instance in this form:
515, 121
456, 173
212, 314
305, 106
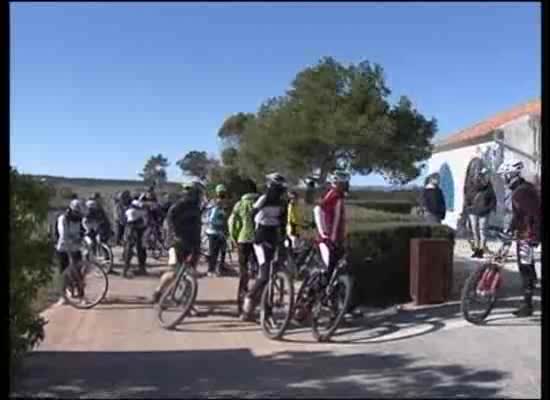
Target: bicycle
319, 293
272, 301
154, 242
100, 250
85, 283
485, 282
179, 297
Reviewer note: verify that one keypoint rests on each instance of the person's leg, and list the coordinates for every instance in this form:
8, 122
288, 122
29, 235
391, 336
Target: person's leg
244, 252
141, 251
63, 263
129, 240
264, 253
474, 219
223, 253
526, 265
212, 253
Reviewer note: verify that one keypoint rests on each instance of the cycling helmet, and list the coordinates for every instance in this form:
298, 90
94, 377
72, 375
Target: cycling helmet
77, 207
510, 171
221, 189
275, 179
91, 204
293, 194
338, 177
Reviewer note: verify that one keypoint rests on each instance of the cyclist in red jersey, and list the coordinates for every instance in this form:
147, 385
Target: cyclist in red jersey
329, 217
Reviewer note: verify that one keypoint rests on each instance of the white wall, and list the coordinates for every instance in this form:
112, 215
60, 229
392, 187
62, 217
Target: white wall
458, 160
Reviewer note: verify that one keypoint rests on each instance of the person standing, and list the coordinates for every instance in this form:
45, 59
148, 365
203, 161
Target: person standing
68, 233
216, 231
241, 231
270, 221
433, 201
482, 202
122, 203
526, 225
136, 217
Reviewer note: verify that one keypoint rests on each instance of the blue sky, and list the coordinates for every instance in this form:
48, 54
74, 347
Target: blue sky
96, 88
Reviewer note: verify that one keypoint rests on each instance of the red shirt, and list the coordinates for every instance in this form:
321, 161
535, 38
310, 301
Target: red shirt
333, 215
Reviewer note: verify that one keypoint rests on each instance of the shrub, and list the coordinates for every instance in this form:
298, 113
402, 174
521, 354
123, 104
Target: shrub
30, 262
395, 206
386, 280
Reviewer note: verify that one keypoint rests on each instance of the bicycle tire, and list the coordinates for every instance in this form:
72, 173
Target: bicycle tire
315, 326
191, 285
108, 264
93, 273
266, 311
301, 300
471, 284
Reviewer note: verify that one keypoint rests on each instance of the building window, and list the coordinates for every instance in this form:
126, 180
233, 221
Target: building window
447, 185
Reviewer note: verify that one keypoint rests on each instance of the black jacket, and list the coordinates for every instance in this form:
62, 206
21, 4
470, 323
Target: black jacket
483, 201
434, 202
184, 222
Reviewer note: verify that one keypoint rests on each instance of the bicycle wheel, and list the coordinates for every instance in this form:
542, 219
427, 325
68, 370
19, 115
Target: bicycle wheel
93, 282
328, 310
478, 299
177, 300
276, 305
302, 304
105, 257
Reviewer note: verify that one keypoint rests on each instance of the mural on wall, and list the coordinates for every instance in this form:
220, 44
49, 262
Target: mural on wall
447, 185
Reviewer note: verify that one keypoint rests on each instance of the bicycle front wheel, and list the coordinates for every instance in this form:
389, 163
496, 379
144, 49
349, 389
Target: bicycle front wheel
478, 298
89, 289
177, 300
105, 257
329, 309
276, 305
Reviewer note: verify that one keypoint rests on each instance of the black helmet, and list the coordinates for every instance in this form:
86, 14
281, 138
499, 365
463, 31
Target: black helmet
275, 179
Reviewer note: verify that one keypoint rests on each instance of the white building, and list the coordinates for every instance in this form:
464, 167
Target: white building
512, 135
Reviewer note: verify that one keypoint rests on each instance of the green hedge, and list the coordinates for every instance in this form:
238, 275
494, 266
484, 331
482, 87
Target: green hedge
386, 280
394, 206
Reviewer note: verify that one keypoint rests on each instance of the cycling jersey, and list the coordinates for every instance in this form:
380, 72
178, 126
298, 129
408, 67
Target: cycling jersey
69, 233
331, 221
526, 211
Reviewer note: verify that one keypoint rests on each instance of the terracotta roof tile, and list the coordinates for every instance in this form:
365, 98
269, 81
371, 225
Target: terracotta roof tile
483, 128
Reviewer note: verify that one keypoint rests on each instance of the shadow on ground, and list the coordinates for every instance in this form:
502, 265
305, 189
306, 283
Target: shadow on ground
407, 324
238, 373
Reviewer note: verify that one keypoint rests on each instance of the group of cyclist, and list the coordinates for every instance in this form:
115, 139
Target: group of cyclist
257, 225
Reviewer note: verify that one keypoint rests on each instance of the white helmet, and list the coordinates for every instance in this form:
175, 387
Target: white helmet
510, 171
338, 177
276, 179
76, 206
91, 204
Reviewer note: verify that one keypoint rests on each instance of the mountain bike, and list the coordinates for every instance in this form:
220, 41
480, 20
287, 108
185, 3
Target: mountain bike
480, 291
277, 299
85, 282
178, 298
323, 299
154, 242
100, 250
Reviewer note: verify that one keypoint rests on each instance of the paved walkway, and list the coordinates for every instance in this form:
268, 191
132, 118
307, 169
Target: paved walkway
118, 350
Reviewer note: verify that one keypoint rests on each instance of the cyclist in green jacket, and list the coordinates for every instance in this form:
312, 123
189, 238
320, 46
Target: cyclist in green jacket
241, 231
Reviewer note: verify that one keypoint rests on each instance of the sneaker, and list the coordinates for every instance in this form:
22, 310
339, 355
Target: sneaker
523, 311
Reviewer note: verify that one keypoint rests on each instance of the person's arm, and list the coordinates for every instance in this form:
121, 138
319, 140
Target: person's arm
442, 205
86, 225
